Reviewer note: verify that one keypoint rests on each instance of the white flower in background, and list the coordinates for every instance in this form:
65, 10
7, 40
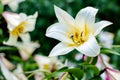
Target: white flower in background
13, 4
26, 48
48, 63
19, 25
78, 33
19, 73
7, 63
100, 63
16, 75
106, 39
112, 74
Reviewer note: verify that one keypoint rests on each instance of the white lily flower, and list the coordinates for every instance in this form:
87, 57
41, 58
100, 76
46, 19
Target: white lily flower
26, 48
78, 33
106, 39
19, 25
13, 4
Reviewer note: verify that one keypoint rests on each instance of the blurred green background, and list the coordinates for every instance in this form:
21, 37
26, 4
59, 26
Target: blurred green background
108, 10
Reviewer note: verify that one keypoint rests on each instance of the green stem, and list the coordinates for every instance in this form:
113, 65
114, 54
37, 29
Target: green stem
64, 75
117, 46
30, 75
4, 48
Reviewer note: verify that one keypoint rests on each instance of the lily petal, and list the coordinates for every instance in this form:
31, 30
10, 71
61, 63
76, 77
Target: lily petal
14, 4
6, 62
12, 40
64, 17
113, 74
12, 19
90, 47
30, 22
19, 73
25, 37
59, 32
100, 25
7, 74
61, 49
86, 16
26, 49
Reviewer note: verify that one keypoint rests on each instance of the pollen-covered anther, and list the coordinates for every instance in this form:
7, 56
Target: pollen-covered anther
78, 38
18, 29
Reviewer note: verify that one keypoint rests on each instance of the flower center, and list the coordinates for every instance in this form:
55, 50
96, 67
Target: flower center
46, 66
80, 37
18, 29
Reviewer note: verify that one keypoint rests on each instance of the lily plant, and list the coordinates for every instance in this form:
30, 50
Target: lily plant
78, 33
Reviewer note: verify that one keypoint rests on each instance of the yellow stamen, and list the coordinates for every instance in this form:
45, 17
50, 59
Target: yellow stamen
18, 29
46, 66
80, 37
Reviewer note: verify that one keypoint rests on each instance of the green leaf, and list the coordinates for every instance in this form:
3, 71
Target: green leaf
92, 60
77, 72
56, 73
74, 71
1, 8
90, 70
105, 50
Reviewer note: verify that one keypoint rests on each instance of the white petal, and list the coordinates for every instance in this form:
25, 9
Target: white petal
13, 5
43, 60
90, 48
19, 73
113, 74
30, 22
7, 74
6, 62
61, 49
12, 40
26, 49
4, 2
86, 16
12, 19
100, 25
25, 37
59, 32
64, 17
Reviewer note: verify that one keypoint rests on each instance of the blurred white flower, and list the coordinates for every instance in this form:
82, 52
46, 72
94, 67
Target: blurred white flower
106, 39
112, 74
19, 25
26, 48
48, 63
16, 75
7, 63
39, 76
100, 63
78, 33
13, 4
19, 73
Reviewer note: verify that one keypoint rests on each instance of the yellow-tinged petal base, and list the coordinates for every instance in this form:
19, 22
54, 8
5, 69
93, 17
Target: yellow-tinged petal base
18, 29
